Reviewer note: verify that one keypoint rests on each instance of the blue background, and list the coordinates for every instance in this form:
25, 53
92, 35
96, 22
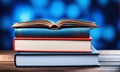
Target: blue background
105, 13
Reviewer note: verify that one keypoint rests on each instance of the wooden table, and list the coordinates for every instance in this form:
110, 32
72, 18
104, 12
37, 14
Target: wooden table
109, 60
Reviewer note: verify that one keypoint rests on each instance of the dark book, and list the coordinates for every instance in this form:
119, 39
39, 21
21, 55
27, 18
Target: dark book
51, 25
36, 59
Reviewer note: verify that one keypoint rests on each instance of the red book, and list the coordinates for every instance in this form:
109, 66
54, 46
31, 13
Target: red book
52, 44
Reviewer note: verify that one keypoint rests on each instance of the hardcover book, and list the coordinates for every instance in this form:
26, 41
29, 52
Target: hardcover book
81, 32
34, 59
52, 44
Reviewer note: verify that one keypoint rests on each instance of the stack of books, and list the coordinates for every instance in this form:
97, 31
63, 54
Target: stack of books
42, 43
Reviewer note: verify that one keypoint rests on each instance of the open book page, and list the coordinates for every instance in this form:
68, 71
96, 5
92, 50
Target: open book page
33, 23
75, 23
58, 25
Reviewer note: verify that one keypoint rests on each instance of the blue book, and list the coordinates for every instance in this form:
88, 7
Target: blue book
80, 32
36, 59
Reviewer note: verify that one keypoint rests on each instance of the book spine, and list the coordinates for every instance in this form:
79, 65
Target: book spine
61, 33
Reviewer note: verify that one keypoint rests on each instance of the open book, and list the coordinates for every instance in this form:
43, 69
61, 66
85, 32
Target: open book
51, 25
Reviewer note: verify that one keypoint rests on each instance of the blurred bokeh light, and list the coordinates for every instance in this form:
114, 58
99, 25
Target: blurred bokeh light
105, 13
73, 11
103, 2
98, 17
57, 9
6, 2
84, 4
109, 33
23, 13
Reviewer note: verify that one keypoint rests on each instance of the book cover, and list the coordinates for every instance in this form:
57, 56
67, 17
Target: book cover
81, 32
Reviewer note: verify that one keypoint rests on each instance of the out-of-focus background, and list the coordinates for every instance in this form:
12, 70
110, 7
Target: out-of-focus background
105, 13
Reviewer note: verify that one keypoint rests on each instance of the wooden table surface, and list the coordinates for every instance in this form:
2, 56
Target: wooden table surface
109, 60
